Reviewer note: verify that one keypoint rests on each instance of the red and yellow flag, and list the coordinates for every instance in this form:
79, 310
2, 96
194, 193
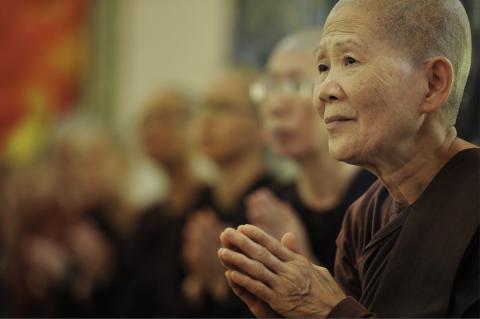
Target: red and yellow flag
43, 58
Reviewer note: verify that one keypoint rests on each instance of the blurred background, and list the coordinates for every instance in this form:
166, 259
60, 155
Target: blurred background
75, 77
102, 60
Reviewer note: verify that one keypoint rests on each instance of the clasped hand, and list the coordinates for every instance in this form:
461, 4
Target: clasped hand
272, 278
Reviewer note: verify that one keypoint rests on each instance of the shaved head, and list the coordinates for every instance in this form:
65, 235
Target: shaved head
169, 98
423, 29
306, 39
234, 83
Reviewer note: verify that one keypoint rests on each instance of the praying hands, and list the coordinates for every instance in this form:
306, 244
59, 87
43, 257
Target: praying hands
276, 217
272, 278
199, 252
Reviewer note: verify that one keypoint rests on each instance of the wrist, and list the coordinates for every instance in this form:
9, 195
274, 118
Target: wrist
349, 308
325, 309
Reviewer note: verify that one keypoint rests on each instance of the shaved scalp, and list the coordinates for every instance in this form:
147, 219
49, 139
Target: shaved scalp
423, 29
245, 74
169, 97
306, 39
242, 76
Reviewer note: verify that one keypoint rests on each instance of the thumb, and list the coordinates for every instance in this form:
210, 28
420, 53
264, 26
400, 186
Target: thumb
290, 241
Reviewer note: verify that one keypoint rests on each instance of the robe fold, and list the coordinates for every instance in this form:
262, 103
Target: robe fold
415, 261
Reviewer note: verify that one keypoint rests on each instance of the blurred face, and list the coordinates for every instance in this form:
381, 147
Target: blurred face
92, 167
164, 130
367, 93
290, 122
227, 126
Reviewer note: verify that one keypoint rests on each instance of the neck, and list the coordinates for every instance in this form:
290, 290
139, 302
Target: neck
323, 180
407, 175
236, 176
183, 186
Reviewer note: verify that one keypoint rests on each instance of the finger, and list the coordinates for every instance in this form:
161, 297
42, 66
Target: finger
256, 198
241, 292
252, 249
259, 308
187, 230
251, 199
211, 221
265, 240
266, 213
273, 203
210, 214
255, 195
201, 219
269, 196
290, 241
288, 211
226, 244
196, 214
264, 203
192, 230
226, 264
251, 267
255, 287
327, 280
255, 215
225, 239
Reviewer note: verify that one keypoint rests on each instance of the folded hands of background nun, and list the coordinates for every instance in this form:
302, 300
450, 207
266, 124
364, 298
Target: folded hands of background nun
277, 218
46, 264
199, 250
272, 278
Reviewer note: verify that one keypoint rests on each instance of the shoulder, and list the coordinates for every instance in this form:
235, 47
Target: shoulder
360, 183
364, 218
464, 164
354, 236
367, 205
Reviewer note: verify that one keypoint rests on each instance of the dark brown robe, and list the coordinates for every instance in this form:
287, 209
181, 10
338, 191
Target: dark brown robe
415, 261
151, 270
232, 306
323, 226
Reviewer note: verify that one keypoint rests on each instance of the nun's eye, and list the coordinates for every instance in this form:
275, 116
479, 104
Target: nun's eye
349, 60
322, 68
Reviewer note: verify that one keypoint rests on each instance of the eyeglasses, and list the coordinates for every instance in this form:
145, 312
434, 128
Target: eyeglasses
220, 108
260, 90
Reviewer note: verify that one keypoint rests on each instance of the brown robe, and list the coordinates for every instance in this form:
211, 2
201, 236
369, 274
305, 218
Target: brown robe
415, 261
323, 226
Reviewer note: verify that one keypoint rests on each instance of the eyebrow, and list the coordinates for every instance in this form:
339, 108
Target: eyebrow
316, 52
338, 44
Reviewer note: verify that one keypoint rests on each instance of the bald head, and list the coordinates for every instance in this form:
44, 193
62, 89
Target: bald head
239, 77
168, 99
291, 125
232, 86
423, 29
304, 40
294, 55
164, 126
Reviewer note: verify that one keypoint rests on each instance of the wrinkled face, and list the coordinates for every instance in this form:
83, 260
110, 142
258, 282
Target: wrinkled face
226, 124
164, 131
290, 123
368, 93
